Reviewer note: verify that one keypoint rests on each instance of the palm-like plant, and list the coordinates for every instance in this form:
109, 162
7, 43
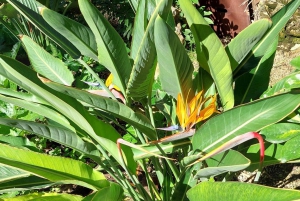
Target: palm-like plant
79, 118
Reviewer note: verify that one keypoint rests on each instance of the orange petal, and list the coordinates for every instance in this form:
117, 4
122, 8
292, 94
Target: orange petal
181, 111
195, 101
208, 111
194, 117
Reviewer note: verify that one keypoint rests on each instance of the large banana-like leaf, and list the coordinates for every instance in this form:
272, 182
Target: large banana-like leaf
57, 134
186, 182
175, 66
142, 74
204, 81
13, 179
134, 4
251, 85
114, 193
280, 132
101, 132
113, 107
39, 109
284, 85
111, 48
21, 95
38, 21
8, 174
30, 4
80, 36
241, 45
140, 25
45, 64
51, 167
45, 197
233, 191
279, 20
272, 155
210, 53
229, 161
290, 150
242, 119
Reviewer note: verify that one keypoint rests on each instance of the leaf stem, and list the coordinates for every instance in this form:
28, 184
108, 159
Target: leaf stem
120, 177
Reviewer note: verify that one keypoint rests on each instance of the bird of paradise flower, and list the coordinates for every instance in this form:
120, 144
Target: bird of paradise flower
189, 114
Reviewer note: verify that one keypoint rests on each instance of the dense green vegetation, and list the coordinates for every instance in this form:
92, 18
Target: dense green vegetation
103, 99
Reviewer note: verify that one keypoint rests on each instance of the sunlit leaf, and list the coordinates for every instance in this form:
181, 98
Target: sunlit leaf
38, 21
111, 48
81, 36
51, 167
46, 64
175, 67
114, 107
290, 149
242, 119
233, 191
279, 21
284, 85
142, 75
280, 132
241, 45
210, 53
229, 161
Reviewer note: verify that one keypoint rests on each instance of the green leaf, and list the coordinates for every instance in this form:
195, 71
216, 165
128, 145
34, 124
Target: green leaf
134, 4
39, 109
17, 141
56, 134
80, 36
242, 119
210, 53
241, 45
251, 85
170, 147
284, 85
141, 78
272, 155
140, 25
203, 81
8, 174
22, 95
44, 27
25, 183
51, 167
115, 108
175, 65
7, 10
280, 132
68, 106
296, 62
45, 197
231, 191
186, 182
290, 150
229, 161
114, 192
45, 64
279, 21
111, 48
